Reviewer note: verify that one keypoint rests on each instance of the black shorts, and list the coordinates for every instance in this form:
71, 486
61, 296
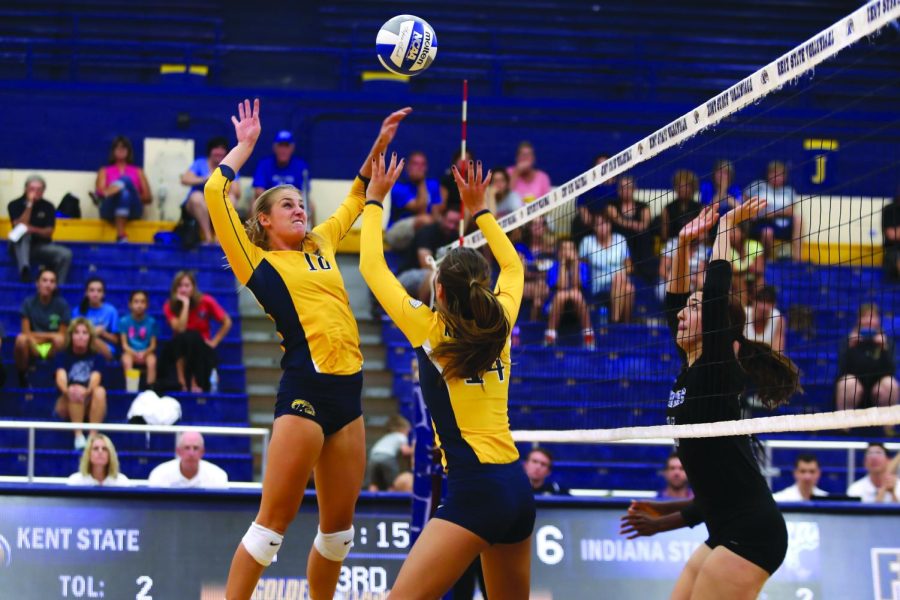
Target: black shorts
782, 227
332, 401
759, 536
495, 502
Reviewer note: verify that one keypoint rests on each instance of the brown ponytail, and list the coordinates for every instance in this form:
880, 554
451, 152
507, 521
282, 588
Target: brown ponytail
774, 375
476, 322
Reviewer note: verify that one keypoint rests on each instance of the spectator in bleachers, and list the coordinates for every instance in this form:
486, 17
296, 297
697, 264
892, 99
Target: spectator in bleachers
631, 220
385, 455
721, 189
412, 200
569, 281
748, 263
102, 315
525, 178
195, 177
764, 322
890, 229
45, 318
188, 469
35, 246
806, 481
450, 199
538, 466
879, 485
501, 198
866, 365
779, 221
415, 274
138, 334
191, 352
607, 254
99, 465
684, 208
282, 168
122, 187
593, 202
78, 379
535, 291
696, 264
677, 486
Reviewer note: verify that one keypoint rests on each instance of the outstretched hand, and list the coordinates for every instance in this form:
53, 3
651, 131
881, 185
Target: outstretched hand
389, 127
638, 523
746, 211
472, 191
700, 225
246, 125
383, 177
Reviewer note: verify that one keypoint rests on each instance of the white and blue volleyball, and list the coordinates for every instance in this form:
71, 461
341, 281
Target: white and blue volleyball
406, 45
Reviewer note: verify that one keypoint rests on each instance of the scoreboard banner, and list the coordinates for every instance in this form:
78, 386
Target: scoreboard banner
146, 545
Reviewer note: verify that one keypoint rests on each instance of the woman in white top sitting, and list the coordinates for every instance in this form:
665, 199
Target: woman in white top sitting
764, 322
99, 464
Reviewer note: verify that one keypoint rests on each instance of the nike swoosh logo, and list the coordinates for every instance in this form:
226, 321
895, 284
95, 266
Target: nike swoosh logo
274, 543
345, 543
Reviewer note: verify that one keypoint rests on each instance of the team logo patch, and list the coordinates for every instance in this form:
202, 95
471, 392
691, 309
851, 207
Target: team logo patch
414, 303
304, 407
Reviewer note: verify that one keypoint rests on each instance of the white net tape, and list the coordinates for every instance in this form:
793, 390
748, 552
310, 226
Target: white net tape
787, 68
845, 419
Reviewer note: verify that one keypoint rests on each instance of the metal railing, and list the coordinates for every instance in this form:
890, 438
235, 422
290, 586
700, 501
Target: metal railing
33, 426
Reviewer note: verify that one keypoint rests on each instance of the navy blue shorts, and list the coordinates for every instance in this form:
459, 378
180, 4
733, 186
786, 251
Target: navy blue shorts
332, 401
782, 227
495, 502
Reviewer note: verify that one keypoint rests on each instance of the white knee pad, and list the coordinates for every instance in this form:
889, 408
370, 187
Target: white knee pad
262, 543
335, 546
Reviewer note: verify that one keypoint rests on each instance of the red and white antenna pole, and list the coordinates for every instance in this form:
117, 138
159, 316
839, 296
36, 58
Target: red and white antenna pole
462, 155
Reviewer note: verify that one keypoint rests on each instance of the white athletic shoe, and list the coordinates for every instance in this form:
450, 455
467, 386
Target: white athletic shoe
80, 441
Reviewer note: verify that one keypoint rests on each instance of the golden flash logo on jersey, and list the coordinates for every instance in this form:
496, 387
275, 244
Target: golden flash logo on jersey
304, 407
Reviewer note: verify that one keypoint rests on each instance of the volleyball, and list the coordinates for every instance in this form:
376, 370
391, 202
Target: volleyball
406, 45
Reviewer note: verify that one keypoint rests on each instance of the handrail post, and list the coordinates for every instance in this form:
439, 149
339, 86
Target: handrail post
851, 466
265, 454
31, 445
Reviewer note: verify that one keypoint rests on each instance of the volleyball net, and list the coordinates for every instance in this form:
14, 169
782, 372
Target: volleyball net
816, 132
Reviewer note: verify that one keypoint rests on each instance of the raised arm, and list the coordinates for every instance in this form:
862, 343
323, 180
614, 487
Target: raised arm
242, 254
680, 281
338, 224
412, 317
511, 282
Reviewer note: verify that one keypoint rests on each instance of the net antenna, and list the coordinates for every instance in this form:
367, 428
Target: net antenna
462, 151
786, 69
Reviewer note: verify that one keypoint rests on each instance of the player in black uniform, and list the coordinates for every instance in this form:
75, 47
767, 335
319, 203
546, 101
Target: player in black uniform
747, 535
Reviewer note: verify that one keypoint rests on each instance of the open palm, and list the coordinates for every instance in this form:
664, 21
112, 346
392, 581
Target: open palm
246, 125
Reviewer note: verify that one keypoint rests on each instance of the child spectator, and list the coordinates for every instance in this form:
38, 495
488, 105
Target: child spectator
122, 187
102, 315
607, 254
696, 265
45, 317
138, 333
191, 353
568, 280
99, 465
384, 458
78, 379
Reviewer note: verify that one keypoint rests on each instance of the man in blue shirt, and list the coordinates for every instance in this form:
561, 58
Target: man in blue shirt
283, 168
411, 202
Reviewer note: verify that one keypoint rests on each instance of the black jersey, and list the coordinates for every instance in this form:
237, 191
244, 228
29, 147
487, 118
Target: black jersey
723, 471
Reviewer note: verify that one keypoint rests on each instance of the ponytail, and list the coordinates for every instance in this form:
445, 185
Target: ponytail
775, 376
477, 325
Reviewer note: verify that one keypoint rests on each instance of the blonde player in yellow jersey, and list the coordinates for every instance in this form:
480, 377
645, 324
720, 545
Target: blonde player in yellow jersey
464, 368
318, 413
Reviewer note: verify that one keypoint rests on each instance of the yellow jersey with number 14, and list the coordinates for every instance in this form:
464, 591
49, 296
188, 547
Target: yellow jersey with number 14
470, 417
